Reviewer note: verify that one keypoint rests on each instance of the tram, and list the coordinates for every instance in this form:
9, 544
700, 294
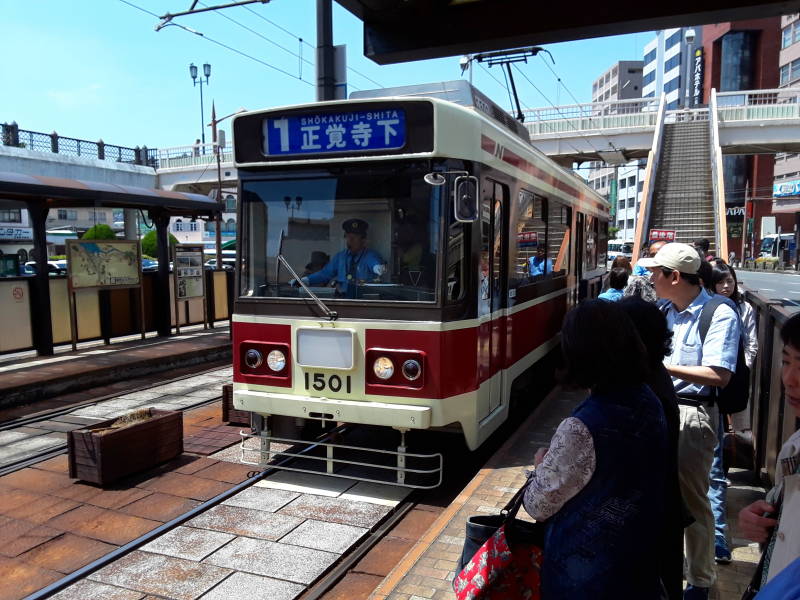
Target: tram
404, 260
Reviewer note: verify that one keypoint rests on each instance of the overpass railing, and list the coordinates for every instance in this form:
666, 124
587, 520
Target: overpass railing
196, 155
12, 135
756, 105
616, 114
772, 420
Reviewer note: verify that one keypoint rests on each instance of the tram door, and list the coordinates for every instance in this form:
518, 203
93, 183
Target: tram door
492, 290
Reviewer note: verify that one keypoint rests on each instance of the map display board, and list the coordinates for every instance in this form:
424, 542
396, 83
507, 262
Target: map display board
188, 266
103, 263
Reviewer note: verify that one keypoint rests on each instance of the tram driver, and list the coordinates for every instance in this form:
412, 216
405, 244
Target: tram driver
353, 266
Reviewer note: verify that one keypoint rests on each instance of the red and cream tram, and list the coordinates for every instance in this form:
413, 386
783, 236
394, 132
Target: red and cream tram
476, 244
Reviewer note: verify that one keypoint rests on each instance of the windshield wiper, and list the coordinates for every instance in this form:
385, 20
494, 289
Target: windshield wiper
332, 314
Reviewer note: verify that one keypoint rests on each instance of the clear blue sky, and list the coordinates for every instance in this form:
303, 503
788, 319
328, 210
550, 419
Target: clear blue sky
96, 69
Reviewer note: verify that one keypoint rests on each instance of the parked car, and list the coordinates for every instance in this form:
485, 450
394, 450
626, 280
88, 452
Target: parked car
54, 267
227, 264
148, 265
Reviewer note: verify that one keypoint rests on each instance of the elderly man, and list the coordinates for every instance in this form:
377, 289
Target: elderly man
697, 366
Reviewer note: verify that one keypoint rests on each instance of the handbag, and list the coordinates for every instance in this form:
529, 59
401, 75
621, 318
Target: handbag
502, 556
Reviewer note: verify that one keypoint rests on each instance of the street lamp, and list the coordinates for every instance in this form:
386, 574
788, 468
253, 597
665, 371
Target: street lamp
207, 74
689, 37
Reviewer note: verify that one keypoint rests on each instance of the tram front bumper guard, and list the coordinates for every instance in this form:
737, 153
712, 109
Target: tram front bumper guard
403, 416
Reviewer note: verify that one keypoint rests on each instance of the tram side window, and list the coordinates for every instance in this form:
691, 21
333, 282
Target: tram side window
592, 242
532, 260
558, 222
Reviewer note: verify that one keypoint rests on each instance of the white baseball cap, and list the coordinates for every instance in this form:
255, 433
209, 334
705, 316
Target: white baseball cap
675, 256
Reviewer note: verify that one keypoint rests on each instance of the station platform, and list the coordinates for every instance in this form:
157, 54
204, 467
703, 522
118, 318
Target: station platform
426, 572
26, 378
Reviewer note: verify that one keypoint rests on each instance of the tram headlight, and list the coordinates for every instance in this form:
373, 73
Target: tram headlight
412, 370
253, 358
276, 360
383, 367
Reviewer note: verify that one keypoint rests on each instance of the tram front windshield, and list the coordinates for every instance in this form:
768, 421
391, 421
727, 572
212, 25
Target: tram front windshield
363, 235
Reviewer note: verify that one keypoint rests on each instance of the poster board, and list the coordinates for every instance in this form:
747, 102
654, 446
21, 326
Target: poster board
104, 264
189, 278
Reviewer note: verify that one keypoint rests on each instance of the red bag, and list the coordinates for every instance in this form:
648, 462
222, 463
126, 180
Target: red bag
503, 568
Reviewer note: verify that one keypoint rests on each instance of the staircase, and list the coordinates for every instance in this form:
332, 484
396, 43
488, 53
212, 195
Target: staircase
683, 198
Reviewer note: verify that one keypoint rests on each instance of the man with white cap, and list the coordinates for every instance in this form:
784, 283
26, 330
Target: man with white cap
696, 366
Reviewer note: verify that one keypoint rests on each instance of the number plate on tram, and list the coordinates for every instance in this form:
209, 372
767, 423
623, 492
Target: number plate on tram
326, 382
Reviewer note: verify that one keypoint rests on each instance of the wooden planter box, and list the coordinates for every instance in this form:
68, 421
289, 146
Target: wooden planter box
105, 458
231, 415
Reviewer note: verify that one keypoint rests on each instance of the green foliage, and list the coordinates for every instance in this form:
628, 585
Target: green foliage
57, 257
612, 233
150, 246
101, 231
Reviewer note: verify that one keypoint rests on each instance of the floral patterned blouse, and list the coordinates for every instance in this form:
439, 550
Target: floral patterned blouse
567, 467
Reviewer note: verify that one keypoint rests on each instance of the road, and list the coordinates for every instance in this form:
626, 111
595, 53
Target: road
781, 287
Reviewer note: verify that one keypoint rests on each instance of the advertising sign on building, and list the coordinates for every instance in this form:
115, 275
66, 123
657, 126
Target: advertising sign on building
735, 213
698, 70
666, 235
16, 234
527, 239
786, 188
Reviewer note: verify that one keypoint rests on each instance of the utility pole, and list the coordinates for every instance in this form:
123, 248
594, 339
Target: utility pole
326, 82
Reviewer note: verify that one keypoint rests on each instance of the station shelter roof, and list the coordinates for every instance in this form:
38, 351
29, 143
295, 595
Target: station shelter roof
57, 192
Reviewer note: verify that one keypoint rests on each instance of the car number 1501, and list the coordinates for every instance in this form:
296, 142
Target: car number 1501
319, 382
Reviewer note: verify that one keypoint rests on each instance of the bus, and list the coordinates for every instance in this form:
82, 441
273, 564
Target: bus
476, 246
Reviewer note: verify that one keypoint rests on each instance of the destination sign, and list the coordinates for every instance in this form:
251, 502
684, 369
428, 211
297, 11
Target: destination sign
322, 133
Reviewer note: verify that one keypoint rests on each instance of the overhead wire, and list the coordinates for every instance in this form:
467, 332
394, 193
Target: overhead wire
232, 49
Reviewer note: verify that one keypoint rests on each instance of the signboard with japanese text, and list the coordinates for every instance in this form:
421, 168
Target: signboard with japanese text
665, 235
188, 268
698, 71
21, 234
352, 131
527, 239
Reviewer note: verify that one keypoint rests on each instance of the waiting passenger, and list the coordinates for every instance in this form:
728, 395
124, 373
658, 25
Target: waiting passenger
617, 280
594, 487
651, 251
352, 266
540, 264
770, 521
622, 262
651, 325
722, 280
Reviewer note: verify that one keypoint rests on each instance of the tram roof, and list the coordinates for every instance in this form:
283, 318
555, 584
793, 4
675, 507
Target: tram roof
63, 192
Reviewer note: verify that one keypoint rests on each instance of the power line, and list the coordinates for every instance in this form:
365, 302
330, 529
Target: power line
213, 41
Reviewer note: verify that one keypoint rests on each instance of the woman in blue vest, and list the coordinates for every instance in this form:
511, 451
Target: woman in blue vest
599, 487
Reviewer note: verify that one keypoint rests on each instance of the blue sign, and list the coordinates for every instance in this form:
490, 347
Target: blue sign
788, 188
335, 132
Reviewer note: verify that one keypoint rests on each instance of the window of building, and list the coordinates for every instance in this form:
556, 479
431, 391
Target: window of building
178, 225
614, 89
100, 216
649, 78
631, 180
630, 202
630, 224
650, 94
796, 32
621, 205
11, 215
622, 183
641, 186
786, 36
673, 62
672, 84
673, 39
62, 214
621, 224
230, 203
672, 105
594, 88
614, 71
192, 225
650, 56
794, 70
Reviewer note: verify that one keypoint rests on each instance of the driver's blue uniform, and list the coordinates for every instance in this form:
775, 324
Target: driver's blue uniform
346, 267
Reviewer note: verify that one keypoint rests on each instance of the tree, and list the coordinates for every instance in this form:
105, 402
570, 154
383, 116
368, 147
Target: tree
99, 232
612, 233
150, 245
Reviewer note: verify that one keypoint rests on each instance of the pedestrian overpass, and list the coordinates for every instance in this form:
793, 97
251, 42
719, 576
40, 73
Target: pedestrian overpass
749, 122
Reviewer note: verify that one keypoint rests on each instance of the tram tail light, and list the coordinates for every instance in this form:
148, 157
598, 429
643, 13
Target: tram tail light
264, 359
395, 368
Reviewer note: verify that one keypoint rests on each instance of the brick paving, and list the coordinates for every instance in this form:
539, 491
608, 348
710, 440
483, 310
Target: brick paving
51, 525
426, 570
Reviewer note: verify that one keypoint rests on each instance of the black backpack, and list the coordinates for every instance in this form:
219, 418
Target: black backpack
733, 397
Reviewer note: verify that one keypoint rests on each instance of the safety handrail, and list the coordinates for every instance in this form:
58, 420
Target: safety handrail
717, 180
653, 158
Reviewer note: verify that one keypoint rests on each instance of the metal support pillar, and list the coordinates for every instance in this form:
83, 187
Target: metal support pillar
326, 81
42, 322
162, 303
